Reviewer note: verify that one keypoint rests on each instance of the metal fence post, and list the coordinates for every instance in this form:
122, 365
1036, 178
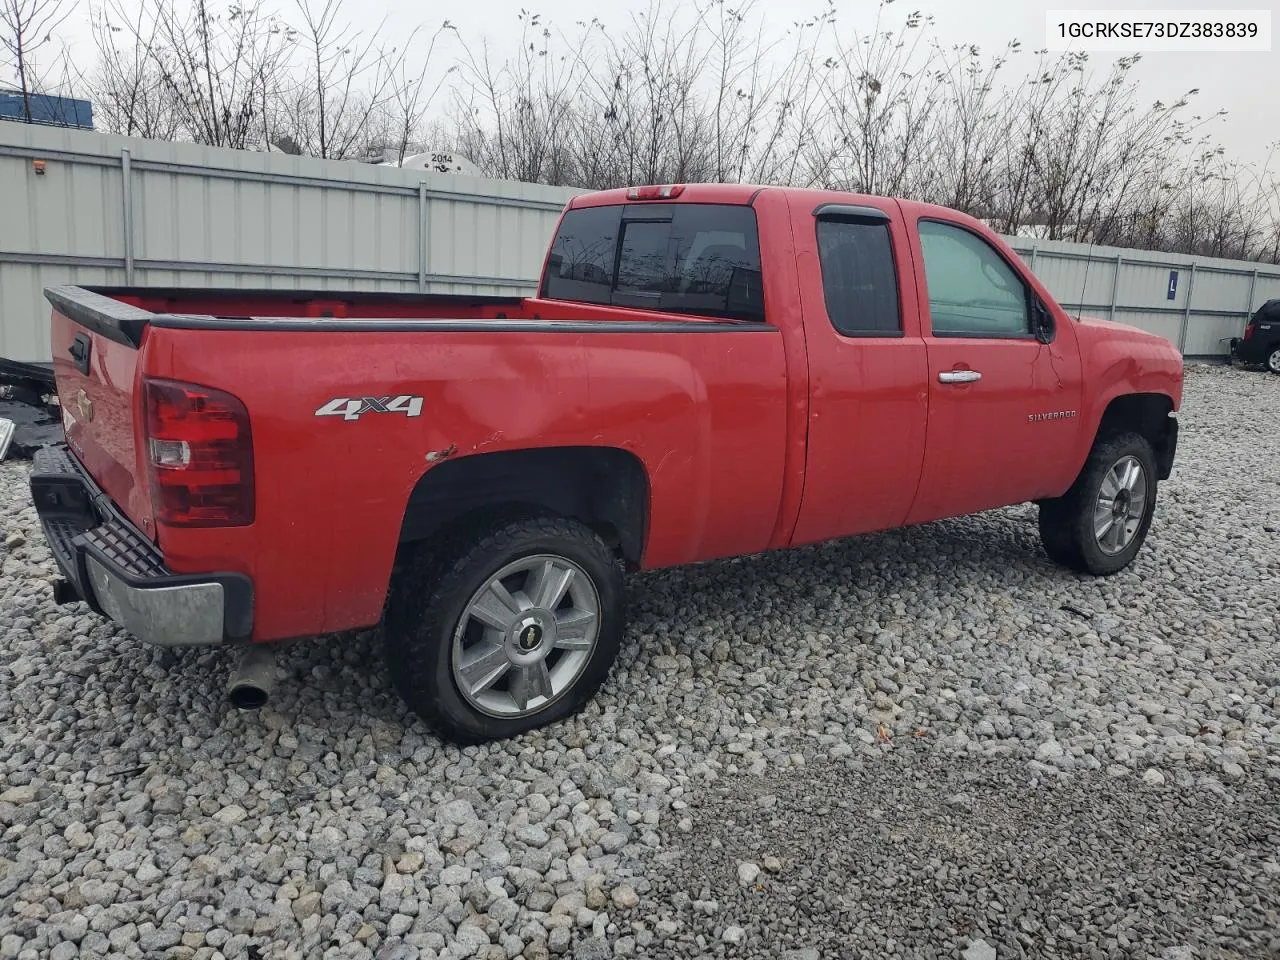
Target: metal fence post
1115, 286
1034, 250
423, 239
126, 175
1253, 286
1186, 312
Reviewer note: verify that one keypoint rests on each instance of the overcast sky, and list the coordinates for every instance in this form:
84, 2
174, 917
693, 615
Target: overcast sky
1245, 84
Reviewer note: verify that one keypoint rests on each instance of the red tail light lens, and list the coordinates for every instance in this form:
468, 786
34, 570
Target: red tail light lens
1248, 331
200, 455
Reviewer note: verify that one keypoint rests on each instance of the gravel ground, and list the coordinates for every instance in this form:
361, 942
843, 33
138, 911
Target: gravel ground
930, 742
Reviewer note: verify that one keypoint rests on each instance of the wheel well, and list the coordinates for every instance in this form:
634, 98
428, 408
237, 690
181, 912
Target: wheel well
603, 487
1148, 415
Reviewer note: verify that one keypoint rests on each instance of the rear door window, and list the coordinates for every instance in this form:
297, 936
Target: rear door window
859, 280
682, 258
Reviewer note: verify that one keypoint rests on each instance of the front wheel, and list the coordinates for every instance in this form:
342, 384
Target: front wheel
512, 627
1098, 526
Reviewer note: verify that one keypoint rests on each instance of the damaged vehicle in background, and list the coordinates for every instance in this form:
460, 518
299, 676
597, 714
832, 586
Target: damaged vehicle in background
28, 408
1261, 341
706, 371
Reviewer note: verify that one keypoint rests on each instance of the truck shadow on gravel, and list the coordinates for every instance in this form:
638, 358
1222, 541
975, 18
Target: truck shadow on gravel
1000, 546
996, 551
919, 852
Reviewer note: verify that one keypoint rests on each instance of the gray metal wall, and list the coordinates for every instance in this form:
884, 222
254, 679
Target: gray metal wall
117, 210
1211, 298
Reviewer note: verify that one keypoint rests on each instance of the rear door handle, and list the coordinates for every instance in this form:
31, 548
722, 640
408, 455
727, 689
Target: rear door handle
959, 376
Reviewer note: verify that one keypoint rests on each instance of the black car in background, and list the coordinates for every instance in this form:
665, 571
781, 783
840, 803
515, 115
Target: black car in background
1261, 340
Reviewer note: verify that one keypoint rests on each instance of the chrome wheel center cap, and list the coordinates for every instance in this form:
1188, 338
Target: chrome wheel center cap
532, 637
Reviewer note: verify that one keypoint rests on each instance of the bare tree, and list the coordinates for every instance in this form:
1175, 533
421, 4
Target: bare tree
685, 93
126, 83
340, 103
221, 70
412, 96
513, 117
705, 92
652, 110
1056, 147
880, 94
26, 29
969, 133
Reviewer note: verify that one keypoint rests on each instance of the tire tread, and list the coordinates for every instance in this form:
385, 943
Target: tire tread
1066, 523
429, 585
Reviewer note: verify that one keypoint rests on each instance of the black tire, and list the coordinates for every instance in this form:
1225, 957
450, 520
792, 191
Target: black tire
1066, 523
1273, 360
430, 593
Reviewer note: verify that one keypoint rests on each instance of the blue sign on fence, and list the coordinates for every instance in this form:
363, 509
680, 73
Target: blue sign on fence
1173, 285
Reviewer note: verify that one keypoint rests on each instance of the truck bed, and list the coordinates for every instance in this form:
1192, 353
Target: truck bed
350, 412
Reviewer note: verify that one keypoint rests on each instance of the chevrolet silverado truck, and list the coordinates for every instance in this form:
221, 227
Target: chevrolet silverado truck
705, 371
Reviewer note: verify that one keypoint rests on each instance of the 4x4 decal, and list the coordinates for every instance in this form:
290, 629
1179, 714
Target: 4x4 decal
352, 408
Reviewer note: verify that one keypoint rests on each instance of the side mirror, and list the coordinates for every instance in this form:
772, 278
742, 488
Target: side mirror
1042, 326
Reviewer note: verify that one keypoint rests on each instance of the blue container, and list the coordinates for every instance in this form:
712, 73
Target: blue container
47, 109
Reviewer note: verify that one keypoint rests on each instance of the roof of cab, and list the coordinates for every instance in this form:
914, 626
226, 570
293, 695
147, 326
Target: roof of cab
739, 193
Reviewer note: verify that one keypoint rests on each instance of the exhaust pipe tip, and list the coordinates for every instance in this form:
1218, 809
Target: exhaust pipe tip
64, 592
248, 697
252, 680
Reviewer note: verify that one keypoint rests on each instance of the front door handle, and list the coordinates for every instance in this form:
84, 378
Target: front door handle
959, 376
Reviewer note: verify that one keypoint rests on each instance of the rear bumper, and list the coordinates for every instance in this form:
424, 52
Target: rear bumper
120, 574
1253, 350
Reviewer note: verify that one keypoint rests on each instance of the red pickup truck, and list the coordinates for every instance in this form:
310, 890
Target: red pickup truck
705, 371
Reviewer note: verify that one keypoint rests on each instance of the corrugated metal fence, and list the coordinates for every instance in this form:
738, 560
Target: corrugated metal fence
80, 207
1196, 302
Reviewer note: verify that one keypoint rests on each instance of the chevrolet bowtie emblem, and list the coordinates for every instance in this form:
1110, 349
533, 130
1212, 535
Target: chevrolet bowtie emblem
84, 405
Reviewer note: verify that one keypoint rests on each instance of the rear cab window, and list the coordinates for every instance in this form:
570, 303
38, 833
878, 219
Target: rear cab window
695, 258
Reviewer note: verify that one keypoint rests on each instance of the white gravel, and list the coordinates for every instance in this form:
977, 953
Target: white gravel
141, 817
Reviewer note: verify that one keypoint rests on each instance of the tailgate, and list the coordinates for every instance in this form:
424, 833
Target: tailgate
96, 349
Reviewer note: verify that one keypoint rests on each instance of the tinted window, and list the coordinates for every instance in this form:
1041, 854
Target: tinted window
580, 266
685, 258
972, 291
858, 277
643, 264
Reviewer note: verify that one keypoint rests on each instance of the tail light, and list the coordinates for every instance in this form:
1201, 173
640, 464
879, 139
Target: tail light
1248, 331
200, 455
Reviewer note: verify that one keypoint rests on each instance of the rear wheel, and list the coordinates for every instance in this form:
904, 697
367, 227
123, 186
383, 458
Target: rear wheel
1273, 360
1100, 524
509, 627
